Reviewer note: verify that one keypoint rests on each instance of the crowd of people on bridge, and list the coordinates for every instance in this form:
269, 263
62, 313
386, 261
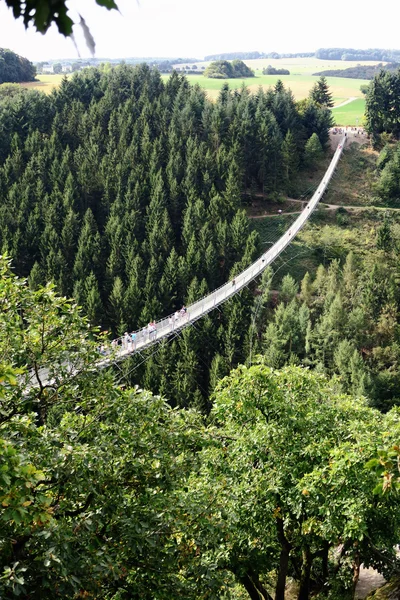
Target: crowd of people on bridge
129, 340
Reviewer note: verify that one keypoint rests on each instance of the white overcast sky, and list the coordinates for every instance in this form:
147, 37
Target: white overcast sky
194, 28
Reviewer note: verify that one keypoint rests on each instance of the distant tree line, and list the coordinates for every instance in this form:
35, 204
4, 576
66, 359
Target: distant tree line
15, 68
273, 71
352, 54
360, 71
253, 55
224, 69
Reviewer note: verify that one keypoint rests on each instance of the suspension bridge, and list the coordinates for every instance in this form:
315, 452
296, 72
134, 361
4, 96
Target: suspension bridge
137, 341
150, 335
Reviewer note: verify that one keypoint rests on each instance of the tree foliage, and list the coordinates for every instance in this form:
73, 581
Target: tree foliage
14, 68
109, 492
43, 13
382, 109
224, 69
320, 93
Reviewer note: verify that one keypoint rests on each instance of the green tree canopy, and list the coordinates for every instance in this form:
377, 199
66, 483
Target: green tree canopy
14, 68
320, 93
224, 69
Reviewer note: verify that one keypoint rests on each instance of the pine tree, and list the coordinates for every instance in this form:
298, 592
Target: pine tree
312, 151
93, 305
290, 158
320, 93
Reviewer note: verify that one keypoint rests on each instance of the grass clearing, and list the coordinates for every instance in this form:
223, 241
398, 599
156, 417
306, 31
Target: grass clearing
328, 235
299, 81
296, 66
354, 177
350, 115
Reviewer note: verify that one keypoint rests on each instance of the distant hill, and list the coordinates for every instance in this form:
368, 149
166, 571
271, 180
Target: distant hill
15, 68
252, 55
360, 71
353, 54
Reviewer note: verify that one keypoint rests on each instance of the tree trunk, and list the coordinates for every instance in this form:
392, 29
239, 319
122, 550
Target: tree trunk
356, 571
282, 573
325, 573
254, 587
283, 561
304, 590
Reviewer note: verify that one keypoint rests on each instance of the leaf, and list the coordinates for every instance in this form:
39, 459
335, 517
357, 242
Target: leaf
110, 4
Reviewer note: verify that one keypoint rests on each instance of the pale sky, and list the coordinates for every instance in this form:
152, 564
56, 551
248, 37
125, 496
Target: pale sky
195, 28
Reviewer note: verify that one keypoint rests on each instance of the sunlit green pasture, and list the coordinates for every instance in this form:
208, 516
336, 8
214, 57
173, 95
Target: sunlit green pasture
351, 114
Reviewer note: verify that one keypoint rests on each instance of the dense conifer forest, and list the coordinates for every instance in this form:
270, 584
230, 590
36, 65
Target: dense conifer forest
125, 191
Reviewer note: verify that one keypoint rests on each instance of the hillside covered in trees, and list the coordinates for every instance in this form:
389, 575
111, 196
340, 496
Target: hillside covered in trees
360, 71
126, 193
357, 54
108, 492
15, 68
267, 466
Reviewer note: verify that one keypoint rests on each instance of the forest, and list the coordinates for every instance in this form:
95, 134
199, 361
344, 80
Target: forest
127, 193
360, 71
255, 455
14, 68
357, 54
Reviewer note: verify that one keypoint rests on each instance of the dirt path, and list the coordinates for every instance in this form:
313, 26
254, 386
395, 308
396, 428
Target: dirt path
327, 207
351, 99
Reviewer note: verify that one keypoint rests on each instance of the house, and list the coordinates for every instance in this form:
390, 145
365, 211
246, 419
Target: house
66, 68
48, 69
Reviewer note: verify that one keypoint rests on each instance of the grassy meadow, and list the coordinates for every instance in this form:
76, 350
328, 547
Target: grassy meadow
350, 114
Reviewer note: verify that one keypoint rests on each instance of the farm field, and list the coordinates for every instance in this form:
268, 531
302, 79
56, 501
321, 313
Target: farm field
350, 114
297, 66
45, 83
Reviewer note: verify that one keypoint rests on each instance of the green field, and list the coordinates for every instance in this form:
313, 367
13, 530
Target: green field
351, 114
298, 66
